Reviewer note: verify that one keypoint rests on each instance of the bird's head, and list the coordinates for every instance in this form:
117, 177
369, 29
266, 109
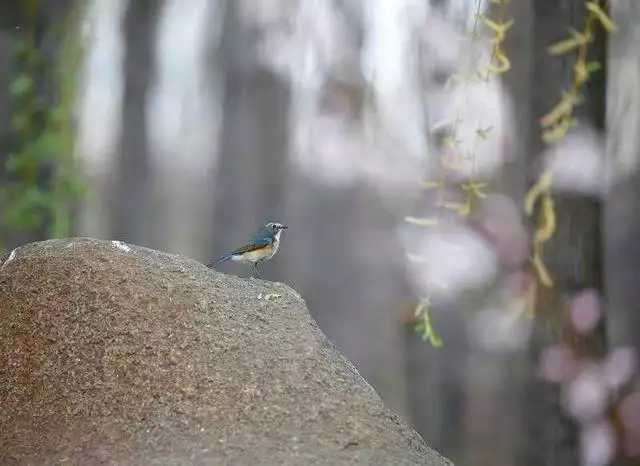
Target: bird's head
273, 228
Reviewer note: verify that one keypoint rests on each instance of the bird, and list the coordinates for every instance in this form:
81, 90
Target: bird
261, 247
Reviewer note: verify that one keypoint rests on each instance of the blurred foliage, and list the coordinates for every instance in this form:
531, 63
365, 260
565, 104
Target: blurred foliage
41, 178
555, 126
454, 155
560, 119
424, 326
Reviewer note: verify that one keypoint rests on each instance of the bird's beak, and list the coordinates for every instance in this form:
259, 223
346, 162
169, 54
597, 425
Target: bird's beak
283, 227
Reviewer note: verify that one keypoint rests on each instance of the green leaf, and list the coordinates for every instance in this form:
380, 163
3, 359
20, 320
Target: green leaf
58, 115
593, 66
20, 121
48, 143
37, 198
27, 208
21, 85
14, 162
427, 331
435, 339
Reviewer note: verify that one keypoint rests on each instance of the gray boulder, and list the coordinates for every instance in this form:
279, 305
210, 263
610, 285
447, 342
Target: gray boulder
118, 354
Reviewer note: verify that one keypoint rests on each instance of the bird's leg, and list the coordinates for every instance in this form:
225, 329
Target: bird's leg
255, 269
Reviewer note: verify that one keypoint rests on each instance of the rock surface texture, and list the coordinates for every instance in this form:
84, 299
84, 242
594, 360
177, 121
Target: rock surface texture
118, 354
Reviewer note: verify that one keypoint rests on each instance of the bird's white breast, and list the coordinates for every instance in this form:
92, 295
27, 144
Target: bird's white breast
276, 243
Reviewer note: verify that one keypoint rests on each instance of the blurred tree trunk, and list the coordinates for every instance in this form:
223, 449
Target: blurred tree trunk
252, 166
326, 253
495, 382
438, 394
356, 296
133, 210
574, 255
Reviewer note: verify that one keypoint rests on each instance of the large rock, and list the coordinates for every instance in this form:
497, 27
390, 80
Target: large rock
118, 354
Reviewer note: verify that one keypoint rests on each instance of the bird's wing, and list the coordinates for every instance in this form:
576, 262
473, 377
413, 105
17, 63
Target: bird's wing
255, 243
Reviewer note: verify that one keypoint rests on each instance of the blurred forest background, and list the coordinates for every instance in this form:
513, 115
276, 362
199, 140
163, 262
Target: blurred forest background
183, 125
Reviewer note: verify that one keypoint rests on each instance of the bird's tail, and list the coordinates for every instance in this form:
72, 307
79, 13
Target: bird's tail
221, 260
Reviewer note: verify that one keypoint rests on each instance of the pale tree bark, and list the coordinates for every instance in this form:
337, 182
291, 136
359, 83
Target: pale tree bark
621, 221
99, 116
184, 125
621, 218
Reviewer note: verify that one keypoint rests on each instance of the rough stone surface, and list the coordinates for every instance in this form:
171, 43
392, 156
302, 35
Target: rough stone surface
117, 354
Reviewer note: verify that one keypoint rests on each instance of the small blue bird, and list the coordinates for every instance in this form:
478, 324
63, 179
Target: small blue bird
261, 247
